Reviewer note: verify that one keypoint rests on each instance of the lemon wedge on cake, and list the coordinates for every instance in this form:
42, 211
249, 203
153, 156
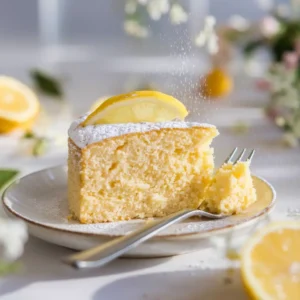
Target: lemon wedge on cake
138, 106
271, 262
19, 105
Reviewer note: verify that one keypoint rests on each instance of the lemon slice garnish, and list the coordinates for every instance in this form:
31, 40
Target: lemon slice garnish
138, 106
18, 105
271, 262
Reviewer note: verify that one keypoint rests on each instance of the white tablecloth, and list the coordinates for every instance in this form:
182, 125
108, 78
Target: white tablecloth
193, 276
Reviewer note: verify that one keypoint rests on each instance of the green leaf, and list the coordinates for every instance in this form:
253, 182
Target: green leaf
40, 146
28, 135
240, 127
285, 41
6, 175
8, 268
47, 84
253, 46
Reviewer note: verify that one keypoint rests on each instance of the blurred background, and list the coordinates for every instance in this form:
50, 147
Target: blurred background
214, 55
86, 44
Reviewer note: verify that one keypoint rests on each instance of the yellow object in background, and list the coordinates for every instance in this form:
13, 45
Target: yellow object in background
271, 262
138, 106
19, 105
217, 83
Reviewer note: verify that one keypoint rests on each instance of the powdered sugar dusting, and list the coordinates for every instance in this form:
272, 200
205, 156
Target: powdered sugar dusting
83, 136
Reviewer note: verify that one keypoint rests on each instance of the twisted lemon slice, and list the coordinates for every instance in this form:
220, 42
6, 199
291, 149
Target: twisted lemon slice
138, 106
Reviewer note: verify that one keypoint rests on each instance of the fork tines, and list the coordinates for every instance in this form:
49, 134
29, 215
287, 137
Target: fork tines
240, 156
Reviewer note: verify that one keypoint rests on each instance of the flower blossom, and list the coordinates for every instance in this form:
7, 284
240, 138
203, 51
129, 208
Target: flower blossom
269, 27
13, 235
130, 7
157, 8
208, 36
134, 28
177, 14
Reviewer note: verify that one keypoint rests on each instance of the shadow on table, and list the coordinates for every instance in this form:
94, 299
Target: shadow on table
42, 262
187, 285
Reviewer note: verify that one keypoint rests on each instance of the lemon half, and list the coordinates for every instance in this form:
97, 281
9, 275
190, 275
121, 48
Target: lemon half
271, 262
19, 105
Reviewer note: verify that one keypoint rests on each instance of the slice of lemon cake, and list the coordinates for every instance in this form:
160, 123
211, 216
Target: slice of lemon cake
231, 190
128, 159
137, 170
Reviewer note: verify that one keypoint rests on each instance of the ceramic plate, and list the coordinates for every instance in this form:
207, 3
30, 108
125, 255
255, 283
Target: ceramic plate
40, 199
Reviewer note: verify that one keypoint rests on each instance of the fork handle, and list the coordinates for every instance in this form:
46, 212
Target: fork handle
105, 253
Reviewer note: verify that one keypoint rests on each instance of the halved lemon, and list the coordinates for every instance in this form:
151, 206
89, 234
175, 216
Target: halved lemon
271, 262
138, 106
19, 106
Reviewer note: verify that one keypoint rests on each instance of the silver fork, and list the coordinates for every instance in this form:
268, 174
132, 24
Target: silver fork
105, 253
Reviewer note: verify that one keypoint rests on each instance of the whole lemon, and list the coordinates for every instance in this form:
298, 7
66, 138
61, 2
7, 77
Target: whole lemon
217, 83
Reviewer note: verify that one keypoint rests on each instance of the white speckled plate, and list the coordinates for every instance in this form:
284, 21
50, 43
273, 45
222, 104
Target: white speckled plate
40, 199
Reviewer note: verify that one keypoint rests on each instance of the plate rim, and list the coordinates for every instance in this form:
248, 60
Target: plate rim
203, 234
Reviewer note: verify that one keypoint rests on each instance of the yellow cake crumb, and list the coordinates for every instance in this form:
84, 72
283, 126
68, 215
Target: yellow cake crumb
231, 190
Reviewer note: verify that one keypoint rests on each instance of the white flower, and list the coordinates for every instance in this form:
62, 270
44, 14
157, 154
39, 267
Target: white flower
177, 14
13, 235
208, 36
210, 22
134, 28
239, 23
130, 6
156, 8
201, 39
212, 44
269, 26
280, 121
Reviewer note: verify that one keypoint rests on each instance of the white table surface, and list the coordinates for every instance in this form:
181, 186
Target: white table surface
192, 276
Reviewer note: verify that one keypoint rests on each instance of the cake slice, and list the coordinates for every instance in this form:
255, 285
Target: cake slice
231, 190
137, 170
128, 159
